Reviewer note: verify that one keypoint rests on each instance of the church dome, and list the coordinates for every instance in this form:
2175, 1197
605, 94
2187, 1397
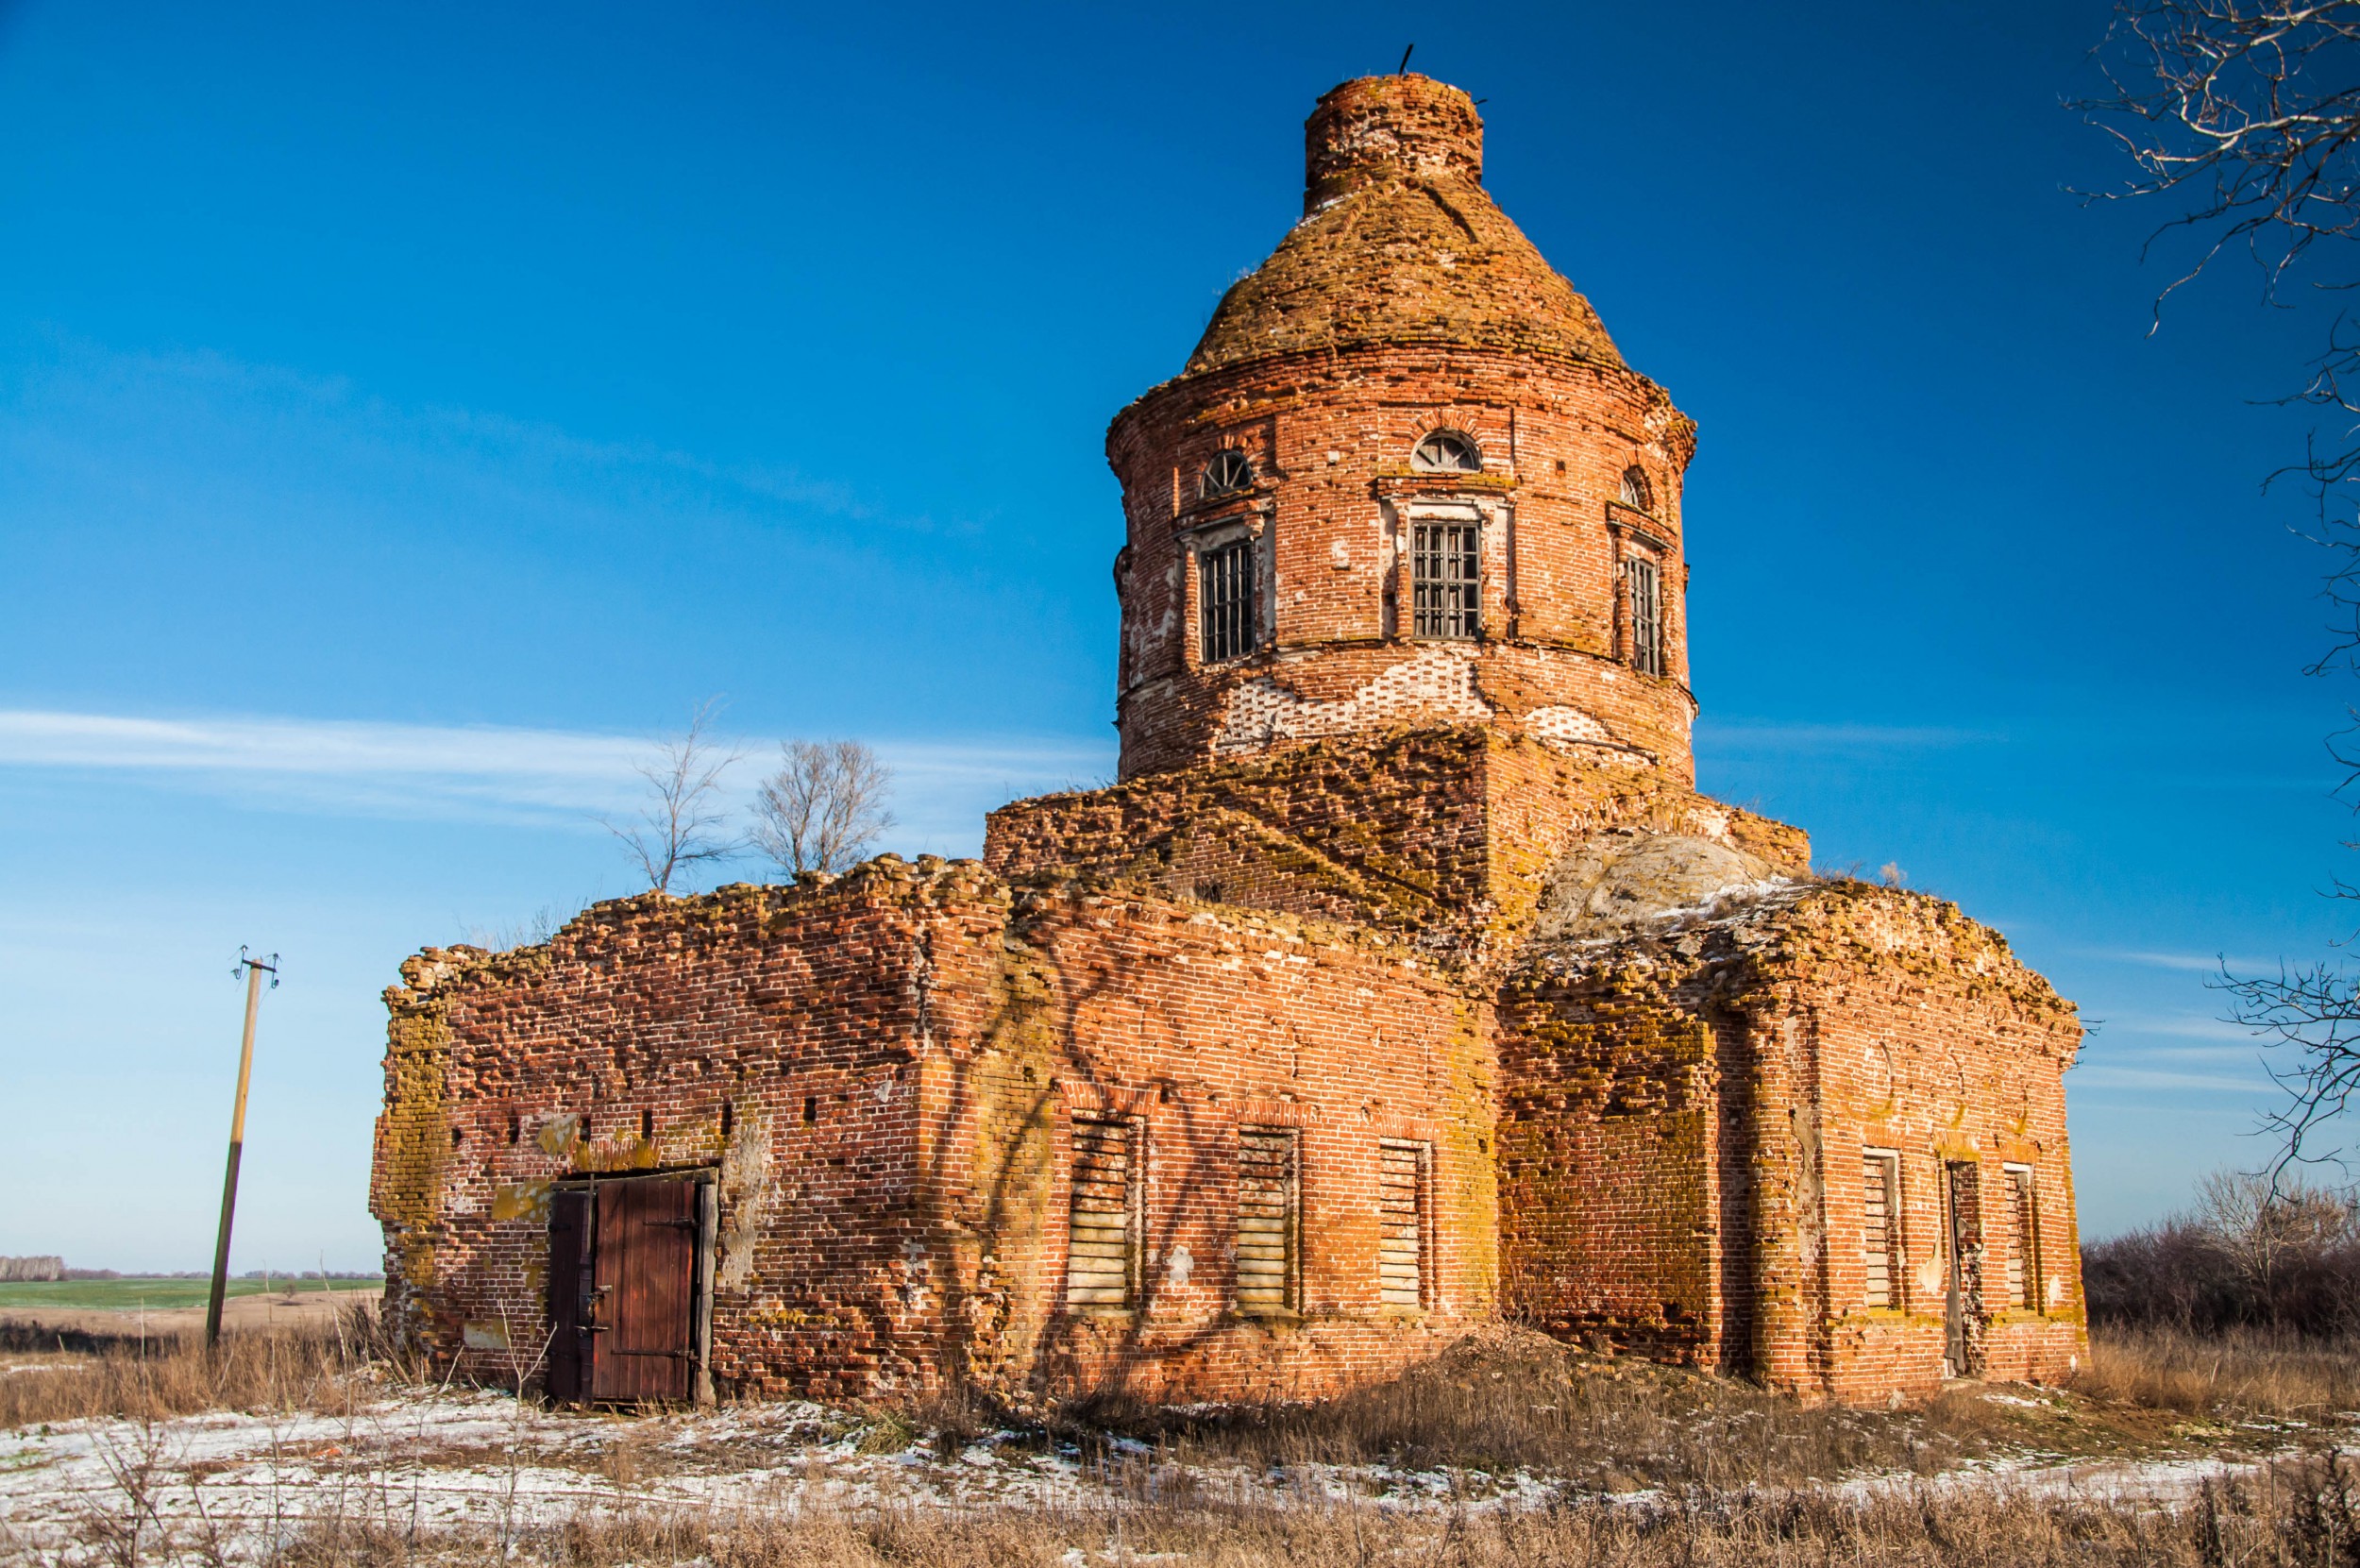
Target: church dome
1400, 244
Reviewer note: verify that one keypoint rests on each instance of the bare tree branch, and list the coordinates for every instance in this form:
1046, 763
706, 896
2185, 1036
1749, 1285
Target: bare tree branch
2245, 115
684, 823
824, 807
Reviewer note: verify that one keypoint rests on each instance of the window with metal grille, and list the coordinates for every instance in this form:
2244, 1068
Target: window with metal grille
1226, 593
1268, 1205
1443, 561
1401, 1216
2023, 1238
1101, 1246
1646, 617
1880, 1230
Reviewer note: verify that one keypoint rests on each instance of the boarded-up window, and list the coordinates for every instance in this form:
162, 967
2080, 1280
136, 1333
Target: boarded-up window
1266, 1219
1401, 1211
1102, 1256
2023, 1238
1880, 1230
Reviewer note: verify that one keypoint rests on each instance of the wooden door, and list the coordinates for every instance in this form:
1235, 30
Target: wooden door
572, 1346
645, 1268
623, 1290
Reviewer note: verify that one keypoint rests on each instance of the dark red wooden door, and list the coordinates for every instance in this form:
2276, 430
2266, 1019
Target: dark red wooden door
572, 1347
645, 1266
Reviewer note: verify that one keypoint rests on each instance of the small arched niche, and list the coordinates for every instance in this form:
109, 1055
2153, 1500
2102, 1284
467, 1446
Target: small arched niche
1637, 492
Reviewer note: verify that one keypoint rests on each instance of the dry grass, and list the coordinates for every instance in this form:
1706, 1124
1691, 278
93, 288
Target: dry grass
2298, 1514
1663, 1466
68, 1375
1520, 1402
2244, 1372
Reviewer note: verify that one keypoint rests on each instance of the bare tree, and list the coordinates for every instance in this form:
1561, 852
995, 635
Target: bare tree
2245, 116
683, 822
823, 807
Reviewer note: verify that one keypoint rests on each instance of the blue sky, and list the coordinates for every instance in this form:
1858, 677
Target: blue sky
404, 411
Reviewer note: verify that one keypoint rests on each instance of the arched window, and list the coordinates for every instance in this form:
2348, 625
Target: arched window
1637, 492
1228, 473
1446, 452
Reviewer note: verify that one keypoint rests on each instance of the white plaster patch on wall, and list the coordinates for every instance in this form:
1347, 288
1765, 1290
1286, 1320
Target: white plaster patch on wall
1438, 682
748, 1188
1562, 725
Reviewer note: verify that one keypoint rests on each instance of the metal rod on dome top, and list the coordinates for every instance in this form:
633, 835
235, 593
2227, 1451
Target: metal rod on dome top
253, 969
1403, 67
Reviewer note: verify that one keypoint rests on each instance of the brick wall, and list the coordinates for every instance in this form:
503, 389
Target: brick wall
1330, 438
1684, 1117
1338, 898
901, 1055
1449, 832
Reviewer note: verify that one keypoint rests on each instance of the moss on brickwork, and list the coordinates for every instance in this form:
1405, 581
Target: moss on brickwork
1451, 834
1397, 252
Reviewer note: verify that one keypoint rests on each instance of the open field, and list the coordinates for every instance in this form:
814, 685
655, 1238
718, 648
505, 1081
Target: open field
249, 1312
308, 1448
131, 1295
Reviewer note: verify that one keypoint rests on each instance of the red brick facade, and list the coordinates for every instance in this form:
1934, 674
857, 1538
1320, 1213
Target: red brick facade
1404, 984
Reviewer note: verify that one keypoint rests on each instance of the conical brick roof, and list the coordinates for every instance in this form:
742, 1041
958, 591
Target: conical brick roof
1400, 244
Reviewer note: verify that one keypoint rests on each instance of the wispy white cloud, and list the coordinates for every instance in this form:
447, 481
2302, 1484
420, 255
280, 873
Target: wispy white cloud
494, 772
2194, 963
1845, 738
2096, 1075
2191, 1026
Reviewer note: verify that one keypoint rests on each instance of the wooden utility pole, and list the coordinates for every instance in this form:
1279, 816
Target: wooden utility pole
253, 969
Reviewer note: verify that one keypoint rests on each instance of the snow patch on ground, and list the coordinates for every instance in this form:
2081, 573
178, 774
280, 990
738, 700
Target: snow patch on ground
436, 1460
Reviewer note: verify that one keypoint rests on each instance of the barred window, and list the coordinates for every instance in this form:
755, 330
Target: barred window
1102, 1247
1401, 1182
1637, 492
1646, 617
1446, 452
2023, 1280
1225, 592
1443, 561
1268, 1218
1880, 1231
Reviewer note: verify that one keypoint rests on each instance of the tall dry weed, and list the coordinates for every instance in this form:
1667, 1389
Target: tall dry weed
2243, 1373
2298, 1515
70, 1377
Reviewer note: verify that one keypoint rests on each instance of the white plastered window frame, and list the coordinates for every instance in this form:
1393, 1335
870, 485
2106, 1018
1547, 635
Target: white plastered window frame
1253, 524
2025, 1294
1897, 1233
1495, 594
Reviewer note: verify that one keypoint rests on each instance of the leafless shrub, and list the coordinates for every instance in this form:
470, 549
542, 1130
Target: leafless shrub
2255, 1254
682, 824
824, 807
122, 1523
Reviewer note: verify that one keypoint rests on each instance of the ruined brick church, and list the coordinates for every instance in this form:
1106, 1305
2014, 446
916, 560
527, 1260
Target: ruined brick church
1403, 985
